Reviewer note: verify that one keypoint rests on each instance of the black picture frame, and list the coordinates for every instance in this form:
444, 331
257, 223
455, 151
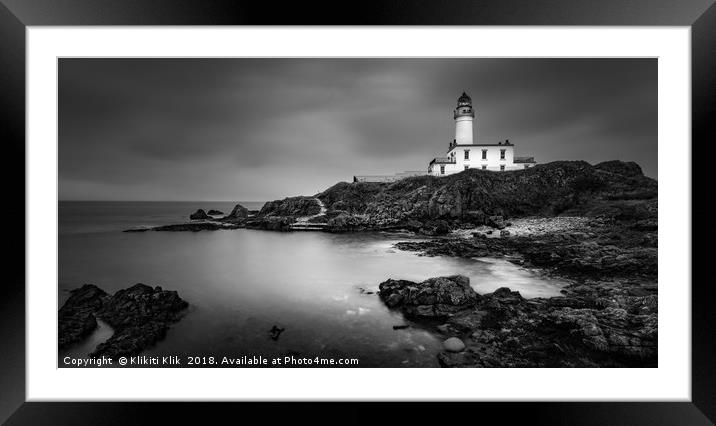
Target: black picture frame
16, 15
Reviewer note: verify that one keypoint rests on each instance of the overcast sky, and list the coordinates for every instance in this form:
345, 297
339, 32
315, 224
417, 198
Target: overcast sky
261, 129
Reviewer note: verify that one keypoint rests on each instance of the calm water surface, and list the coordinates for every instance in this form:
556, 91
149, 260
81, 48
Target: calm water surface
240, 283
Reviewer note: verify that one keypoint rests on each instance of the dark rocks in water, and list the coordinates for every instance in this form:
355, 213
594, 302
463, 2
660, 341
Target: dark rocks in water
400, 327
215, 213
275, 332
139, 315
291, 207
199, 215
195, 227
432, 298
76, 317
139, 229
606, 328
238, 212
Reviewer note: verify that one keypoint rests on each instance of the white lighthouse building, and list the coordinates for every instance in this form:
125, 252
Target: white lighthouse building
463, 153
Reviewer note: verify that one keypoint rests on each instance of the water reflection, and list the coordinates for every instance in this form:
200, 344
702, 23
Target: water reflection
315, 285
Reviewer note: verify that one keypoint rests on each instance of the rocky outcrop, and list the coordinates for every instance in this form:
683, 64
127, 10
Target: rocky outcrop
291, 207
76, 319
215, 213
139, 315
238, 212
432, 298
199, 215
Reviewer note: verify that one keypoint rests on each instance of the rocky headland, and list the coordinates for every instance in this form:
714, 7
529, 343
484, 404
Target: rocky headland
140, 316
430, 205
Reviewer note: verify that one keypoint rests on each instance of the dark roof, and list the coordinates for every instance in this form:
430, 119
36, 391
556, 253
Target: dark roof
479, 144
442, 160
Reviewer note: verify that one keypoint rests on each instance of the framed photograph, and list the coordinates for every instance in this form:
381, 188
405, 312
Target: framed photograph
409, 204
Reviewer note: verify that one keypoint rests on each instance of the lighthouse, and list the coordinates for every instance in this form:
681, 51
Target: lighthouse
464, 153
464, 114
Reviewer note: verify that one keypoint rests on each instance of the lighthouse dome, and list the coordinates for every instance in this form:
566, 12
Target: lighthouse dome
464, 99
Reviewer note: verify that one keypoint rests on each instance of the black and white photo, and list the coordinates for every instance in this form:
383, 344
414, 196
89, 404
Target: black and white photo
357, 212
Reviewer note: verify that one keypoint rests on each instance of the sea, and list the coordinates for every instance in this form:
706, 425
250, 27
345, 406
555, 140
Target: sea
318, 287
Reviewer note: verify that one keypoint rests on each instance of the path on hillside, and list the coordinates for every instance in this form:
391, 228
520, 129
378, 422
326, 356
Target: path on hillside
302, 223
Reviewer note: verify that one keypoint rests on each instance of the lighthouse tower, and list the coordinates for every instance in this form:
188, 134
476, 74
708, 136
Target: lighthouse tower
464, 115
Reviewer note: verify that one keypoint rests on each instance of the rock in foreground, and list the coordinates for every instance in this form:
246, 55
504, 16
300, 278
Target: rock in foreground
76, 317
432, 298
588, 327
140, 316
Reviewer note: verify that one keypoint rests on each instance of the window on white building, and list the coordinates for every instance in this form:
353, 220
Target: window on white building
502, 154
442, 170
527, 166
484, 167
467, 154
484, 154
502, 167
467, 167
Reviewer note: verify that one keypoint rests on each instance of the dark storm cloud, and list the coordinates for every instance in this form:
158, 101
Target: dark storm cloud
257, 129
